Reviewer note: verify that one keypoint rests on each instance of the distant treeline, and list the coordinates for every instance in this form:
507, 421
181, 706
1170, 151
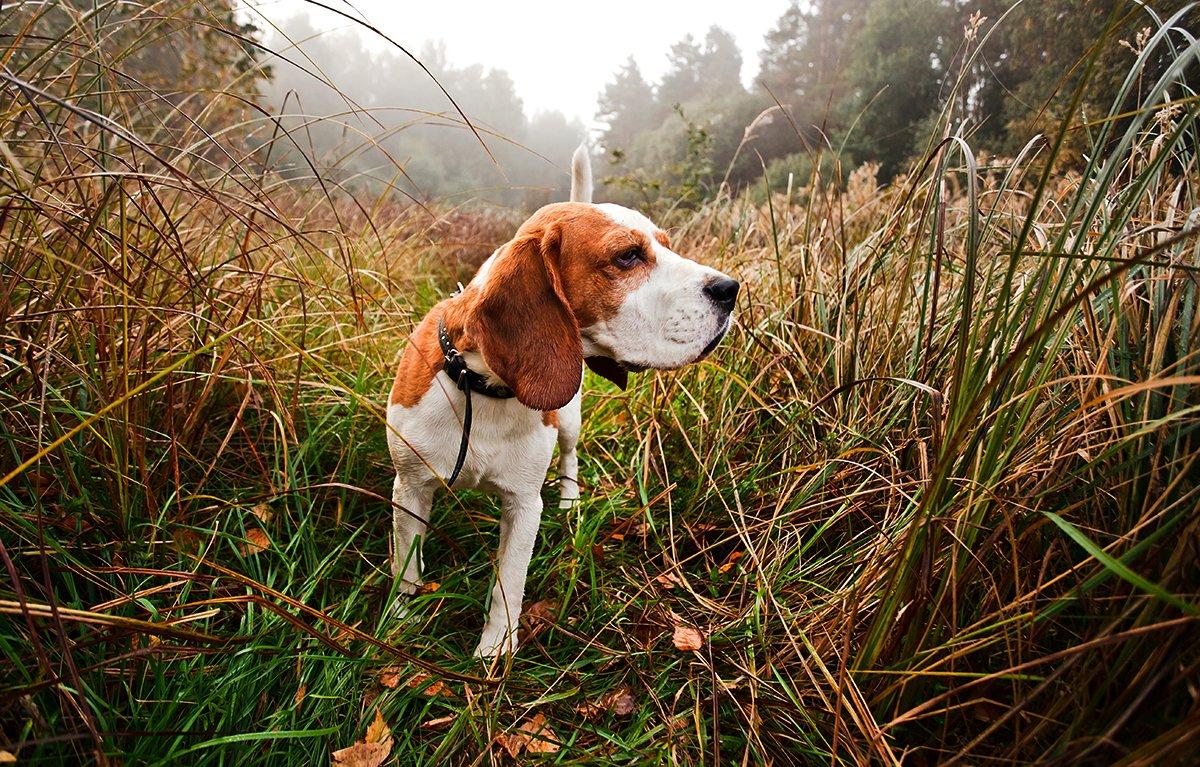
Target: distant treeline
839, 82
373, 117
845, 81
868, 80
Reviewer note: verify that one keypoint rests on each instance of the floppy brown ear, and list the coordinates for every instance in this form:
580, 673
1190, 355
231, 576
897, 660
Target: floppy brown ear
526, 330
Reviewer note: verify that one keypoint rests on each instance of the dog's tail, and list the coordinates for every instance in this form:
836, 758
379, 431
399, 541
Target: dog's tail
581, 175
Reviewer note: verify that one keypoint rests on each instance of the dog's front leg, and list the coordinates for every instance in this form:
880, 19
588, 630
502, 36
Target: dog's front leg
410, 515
518, 532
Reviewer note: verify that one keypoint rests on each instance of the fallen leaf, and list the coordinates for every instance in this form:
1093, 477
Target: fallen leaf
263, 512
731, 561
622, 702
371, 751
543, 610
668, 580
538, 617
389, 677
378, 731
256, 541
342, 635
186, 541
533, 736
626, 528
428, 588
687, 638
619, 702
436, 688
589, 710
44, 486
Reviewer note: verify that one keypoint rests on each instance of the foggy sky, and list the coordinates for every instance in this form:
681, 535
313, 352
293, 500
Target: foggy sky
559, 54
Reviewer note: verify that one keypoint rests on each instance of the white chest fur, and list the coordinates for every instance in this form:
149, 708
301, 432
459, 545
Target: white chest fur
510, 445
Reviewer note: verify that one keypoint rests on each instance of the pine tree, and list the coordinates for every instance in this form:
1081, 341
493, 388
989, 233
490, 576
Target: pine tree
681, 83
721, 63
783, 67
626, 107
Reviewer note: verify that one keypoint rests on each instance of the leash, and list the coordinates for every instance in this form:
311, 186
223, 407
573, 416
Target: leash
467, 381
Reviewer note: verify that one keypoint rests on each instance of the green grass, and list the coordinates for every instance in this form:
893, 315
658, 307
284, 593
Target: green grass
935, 499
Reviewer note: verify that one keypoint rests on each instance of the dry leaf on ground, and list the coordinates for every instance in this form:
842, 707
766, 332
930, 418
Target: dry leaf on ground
729, 563
619, 702
687, 638
433, 689
534, 736
256, 541
371, 751
342, 635
537, 618
391, 676
668, 580
263, 512
541, 611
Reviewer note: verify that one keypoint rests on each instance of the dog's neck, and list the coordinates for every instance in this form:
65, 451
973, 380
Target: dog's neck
459, 319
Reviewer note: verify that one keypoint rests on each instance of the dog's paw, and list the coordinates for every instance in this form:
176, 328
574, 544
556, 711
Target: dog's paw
495, 643
401, 608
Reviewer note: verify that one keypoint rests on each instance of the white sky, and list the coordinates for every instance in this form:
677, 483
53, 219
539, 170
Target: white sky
559, 54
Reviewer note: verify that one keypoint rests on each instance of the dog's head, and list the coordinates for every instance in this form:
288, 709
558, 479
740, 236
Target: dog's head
598, 283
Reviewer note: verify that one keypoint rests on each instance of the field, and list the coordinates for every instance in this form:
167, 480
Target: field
935, 499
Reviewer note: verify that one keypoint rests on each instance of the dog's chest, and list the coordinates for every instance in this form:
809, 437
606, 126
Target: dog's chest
509, 445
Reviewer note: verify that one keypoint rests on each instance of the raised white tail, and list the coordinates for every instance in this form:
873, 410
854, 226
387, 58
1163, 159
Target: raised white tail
581, 175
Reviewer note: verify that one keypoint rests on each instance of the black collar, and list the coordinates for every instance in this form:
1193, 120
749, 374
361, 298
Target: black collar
464, 378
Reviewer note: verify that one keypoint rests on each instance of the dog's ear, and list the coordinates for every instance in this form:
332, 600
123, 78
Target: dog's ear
525, 327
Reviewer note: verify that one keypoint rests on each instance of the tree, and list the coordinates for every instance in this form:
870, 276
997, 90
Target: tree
626, 107
804, 64
896, 76
783, 62
1046, 70
720, 65
181, 49
681, 83
397, 127
697, 73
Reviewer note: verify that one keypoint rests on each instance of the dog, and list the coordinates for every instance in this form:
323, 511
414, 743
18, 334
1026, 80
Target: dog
492, 376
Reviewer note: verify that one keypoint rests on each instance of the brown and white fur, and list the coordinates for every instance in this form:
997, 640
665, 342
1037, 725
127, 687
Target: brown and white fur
578, 282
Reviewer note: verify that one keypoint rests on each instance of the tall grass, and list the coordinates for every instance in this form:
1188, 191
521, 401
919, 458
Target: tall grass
935, 500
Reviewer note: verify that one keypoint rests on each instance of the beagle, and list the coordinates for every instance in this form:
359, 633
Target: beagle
579, 283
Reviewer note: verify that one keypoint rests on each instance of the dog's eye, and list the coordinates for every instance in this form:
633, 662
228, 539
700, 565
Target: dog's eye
627, 258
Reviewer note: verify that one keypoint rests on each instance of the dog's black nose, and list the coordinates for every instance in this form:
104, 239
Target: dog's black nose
722, 291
